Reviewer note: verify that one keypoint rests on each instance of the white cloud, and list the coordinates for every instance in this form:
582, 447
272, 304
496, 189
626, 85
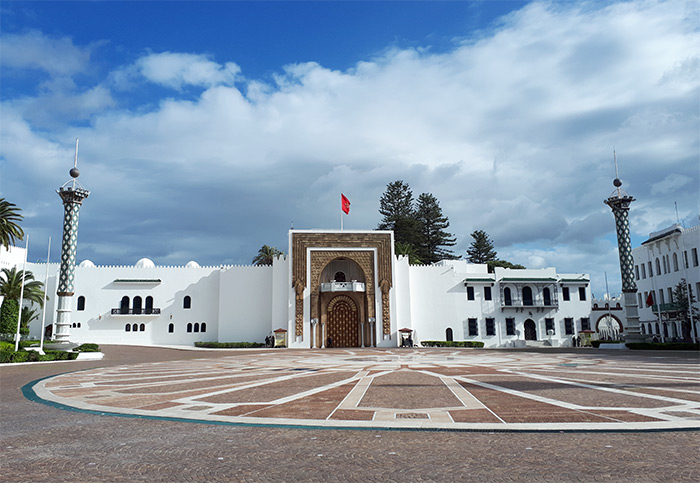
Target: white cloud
177, 70
513, 133
35, 50
670, 184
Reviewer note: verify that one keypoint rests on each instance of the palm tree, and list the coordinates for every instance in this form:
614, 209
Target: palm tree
266, 255
28, 314
11, 286
406, 249
9, 229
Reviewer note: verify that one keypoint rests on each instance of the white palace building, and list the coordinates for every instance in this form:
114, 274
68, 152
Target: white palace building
346, 288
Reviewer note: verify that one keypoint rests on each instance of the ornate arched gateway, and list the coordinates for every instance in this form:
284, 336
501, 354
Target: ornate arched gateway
317, 277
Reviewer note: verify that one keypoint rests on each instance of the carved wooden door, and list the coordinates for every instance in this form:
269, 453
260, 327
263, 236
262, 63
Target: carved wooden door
342, 322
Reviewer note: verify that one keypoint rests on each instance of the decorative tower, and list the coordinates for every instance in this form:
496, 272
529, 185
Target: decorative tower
72, 193
619, 202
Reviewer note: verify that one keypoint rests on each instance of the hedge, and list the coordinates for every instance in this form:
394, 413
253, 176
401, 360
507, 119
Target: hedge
663, 346
229, 345
87, 348
596, 343
34, 356
456, 343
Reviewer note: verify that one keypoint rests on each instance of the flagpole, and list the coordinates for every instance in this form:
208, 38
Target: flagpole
21, 294
341, 221
43, 312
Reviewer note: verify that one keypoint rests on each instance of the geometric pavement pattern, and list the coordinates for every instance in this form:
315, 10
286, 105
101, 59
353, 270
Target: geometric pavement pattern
398, 388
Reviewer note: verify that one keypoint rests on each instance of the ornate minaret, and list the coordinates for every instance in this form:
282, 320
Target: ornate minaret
619, 203
72, 193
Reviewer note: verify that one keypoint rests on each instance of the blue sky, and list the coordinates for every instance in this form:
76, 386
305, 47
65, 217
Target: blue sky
207, 128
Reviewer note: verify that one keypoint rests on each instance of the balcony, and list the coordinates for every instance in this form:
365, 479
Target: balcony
343, 287
126, 311
534, 304
672, 307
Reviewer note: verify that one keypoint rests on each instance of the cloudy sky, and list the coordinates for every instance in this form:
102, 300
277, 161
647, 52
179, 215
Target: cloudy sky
207, 128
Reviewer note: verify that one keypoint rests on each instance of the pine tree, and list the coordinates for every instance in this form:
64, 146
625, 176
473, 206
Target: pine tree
432, 237
481, 250
397, 208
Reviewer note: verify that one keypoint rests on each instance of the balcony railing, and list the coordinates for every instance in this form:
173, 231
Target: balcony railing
515, 303
126, 311
672, 307
343, 287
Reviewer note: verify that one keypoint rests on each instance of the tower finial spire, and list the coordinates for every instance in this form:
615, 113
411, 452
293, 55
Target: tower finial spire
617, 176
75, 160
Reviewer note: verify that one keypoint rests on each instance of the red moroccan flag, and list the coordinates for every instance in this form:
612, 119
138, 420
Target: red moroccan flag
650, 300
345, 204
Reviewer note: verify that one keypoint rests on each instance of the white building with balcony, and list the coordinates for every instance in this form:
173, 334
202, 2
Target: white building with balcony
663, 261
337, 288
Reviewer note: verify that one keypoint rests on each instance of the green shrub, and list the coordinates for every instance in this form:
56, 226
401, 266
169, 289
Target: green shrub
87, 348
9, 311
7, 346
229, 345
28, 343
664, 346
455, 343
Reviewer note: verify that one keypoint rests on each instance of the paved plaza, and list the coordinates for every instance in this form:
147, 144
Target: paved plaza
354, 415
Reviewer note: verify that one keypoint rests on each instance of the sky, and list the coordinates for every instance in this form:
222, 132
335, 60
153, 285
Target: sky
208, 129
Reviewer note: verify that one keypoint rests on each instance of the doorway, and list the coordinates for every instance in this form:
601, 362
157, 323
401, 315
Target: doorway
343, 320
530, 330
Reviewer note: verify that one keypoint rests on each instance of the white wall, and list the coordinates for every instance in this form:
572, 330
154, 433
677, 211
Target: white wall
245, 305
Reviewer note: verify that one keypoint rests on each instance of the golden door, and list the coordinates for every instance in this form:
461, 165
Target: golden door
342, 323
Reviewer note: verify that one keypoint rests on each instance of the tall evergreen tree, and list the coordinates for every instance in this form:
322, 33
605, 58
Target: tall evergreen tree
481, 250
432, 237
397, 208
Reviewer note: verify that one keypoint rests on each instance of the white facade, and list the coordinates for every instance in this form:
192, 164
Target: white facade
147, 304
660, 263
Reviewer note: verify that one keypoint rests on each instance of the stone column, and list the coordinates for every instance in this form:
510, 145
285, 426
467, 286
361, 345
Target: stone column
619, 202
72, 194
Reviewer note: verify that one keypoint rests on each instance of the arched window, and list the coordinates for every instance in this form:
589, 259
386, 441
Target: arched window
149, 305
189, 327
124, 306
137, 304
74, 326
204, 327
196, 326
643, 329
142, 327
340, 277
187, 302
527, 296
658, 267
657, 328
78, 324
675, 262
547, 296
448, 334
81, 303
665, 330
506, 296
171, 328
127, 328
134, 327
